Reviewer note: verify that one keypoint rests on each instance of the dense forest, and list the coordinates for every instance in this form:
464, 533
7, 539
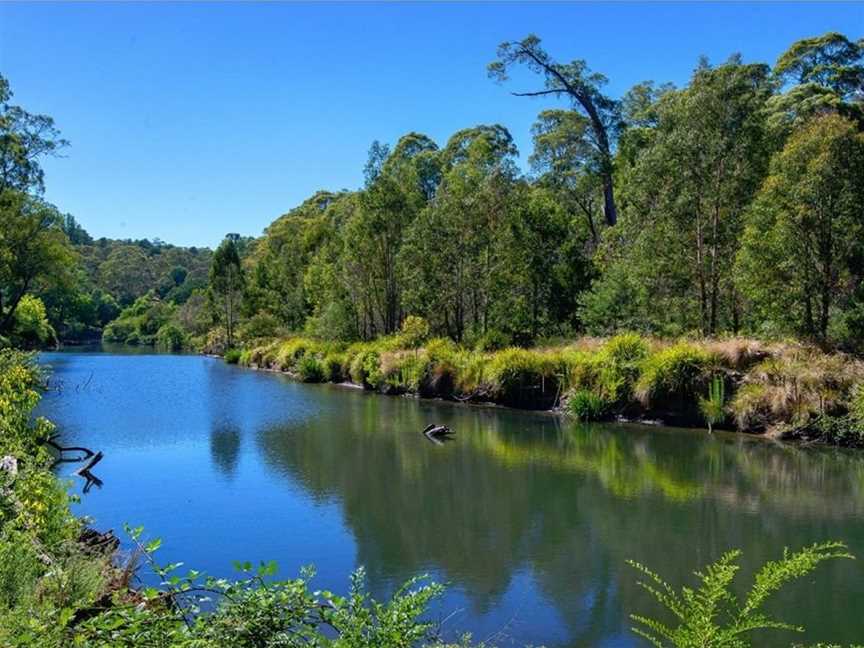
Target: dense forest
730, 205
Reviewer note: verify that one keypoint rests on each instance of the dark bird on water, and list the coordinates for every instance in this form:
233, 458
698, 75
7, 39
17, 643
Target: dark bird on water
437, 433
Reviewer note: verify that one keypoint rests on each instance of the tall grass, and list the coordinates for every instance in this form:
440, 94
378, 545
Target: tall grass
751, 385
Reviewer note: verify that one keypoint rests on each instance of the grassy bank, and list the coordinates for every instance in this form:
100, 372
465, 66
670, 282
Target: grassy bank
789, 390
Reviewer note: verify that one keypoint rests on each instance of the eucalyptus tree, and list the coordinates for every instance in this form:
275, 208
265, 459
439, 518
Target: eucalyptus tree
226, 283
451, 263
564, 160
279, 259
396, 191
127, 273
696, 174
582, 87
802, 247
24, 138
818, 74
34, 251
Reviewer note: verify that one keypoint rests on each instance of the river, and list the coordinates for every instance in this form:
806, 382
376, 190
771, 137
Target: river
529, 518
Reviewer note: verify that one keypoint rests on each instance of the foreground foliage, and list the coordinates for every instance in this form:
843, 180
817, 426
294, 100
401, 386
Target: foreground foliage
712, 616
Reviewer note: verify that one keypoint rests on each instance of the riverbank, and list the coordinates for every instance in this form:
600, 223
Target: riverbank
786, 390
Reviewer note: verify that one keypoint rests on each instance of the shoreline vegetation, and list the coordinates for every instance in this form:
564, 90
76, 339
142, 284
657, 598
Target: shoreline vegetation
786, 390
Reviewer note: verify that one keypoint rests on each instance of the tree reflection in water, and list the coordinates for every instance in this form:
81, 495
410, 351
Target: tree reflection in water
568, 503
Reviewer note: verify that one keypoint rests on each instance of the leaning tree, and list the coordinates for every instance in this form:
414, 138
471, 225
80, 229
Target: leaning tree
578, 83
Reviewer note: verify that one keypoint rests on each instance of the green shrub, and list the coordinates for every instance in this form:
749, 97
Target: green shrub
856, 407
520, 377
290, 351
170, 337
20, 568
364, 368
264, 355
260, 325
31, 327
492, 340
585, 405
402, 371
118, 331
441, 350
618, 366
309, 369
679, 371
232, 356
414, 331
836, 430
333, 366
466, 370
580, 369
140, 322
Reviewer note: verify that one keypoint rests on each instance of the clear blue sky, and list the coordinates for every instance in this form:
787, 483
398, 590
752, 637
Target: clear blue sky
188, 121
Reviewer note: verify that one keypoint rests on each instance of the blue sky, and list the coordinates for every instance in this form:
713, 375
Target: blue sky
189, 120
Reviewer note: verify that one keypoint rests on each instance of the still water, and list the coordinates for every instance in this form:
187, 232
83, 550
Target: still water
529, 518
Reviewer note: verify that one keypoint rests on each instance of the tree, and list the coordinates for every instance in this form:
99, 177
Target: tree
582, 87
24, 138
685, 198
127, 273
31, 326
452, 262
830, 60
564, 159
34, 251
804, 233
390, 202
821, 74
226, 282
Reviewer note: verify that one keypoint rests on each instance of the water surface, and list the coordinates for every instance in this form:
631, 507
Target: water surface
530, 519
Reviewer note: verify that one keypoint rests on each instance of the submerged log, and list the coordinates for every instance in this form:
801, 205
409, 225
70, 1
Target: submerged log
438, 434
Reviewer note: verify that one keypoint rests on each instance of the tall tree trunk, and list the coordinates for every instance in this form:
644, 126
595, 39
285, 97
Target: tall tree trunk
609, 209
700, 273
715, 222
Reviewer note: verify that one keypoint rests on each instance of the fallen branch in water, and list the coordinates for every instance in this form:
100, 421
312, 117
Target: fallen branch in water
96, 458
92, 458
84, 471
61, 449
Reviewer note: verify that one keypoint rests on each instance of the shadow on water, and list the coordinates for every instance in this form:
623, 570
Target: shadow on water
530, 518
